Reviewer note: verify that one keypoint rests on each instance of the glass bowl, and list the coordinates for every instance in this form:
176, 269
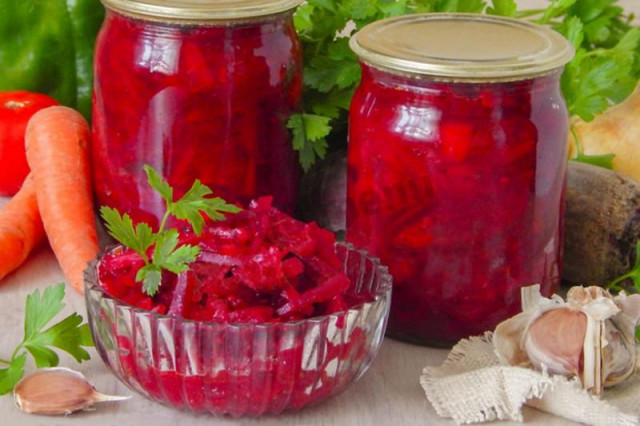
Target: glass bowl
243, 369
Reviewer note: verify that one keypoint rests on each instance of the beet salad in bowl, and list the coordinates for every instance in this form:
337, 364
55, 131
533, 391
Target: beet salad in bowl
239, 312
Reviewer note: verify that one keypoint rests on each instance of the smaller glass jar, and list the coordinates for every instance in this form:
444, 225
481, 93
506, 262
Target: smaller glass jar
198, 90
456, 167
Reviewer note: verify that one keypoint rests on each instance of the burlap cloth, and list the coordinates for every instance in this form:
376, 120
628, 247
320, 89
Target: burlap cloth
471, 386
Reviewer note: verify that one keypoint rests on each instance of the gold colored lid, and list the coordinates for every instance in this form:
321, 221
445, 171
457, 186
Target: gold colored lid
462, 46
201, 10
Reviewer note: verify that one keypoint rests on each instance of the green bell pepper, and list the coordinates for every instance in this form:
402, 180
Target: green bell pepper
46, 46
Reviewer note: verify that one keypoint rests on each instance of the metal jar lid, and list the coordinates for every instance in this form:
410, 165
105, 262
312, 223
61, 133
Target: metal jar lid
201, 10
460, 46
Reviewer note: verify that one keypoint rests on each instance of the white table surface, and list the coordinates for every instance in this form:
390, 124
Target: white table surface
388, 394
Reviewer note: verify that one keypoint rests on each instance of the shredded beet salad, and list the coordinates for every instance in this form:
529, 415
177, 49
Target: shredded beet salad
258, 266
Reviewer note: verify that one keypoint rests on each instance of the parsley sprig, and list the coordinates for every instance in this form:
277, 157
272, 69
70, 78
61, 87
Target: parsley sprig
167, 254
604, 71
69, 335
633, 275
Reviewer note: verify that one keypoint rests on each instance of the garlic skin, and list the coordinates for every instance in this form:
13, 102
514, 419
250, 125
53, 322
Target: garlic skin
590, 336
57, 391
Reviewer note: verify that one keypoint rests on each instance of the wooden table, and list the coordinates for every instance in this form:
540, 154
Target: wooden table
389, 394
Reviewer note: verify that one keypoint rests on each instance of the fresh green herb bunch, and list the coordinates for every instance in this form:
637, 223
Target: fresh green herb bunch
69, 335
604, 71
166, 253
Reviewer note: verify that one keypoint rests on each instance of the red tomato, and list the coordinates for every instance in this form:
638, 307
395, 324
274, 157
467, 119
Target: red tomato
16, 108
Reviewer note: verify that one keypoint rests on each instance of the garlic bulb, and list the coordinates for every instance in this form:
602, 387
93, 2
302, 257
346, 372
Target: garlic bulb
590, 336
56, 391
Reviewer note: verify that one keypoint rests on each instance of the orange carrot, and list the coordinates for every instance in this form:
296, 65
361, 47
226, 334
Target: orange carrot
56, 142
20, 228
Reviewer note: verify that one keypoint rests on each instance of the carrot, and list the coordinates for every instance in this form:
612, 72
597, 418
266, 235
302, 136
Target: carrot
56, 142
20, 228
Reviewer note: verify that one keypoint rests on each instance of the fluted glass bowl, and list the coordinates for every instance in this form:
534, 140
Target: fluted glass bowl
243, 369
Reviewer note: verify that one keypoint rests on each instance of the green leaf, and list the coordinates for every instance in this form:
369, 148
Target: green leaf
160, 185
65, 335
178, 261
596, 79
309, 137
195, 202
503, 8
166, 242
360, 9
605, 160
43, 356
573, 30
138, 239
604, 22
464, 6
633, 274
68, 335
393, 8
40, 310
151, 276
9, 377
329, 5
555, 9
214, 207
636, 268
324, 73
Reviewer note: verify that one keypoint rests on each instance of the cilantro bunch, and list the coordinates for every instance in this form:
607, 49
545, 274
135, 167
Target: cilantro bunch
167, 255
69, 335
604, 71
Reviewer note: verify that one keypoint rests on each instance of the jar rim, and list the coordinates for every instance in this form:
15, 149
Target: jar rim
201, 10
462, 47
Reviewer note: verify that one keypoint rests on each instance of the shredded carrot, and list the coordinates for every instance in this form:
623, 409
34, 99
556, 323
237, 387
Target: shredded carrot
20, 228
57, 141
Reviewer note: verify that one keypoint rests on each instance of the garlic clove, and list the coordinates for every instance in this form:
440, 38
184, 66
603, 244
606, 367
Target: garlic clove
618, 356
507, 337
590, 336
555, 341
620, 353
57, 391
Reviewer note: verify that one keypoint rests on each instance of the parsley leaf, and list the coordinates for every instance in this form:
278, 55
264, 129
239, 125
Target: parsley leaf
633, 274
555, 9
138, 239
9, 377
167, 255
40, 310
160, 185
194, 202
69, 335
503, 8
151, 276
309, 137
596, 79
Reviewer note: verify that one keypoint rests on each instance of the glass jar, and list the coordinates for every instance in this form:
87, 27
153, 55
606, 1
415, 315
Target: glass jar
456, 167
198, 90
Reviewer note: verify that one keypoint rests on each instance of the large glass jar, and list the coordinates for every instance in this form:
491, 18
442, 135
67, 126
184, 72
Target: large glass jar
456, 167
198, 90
